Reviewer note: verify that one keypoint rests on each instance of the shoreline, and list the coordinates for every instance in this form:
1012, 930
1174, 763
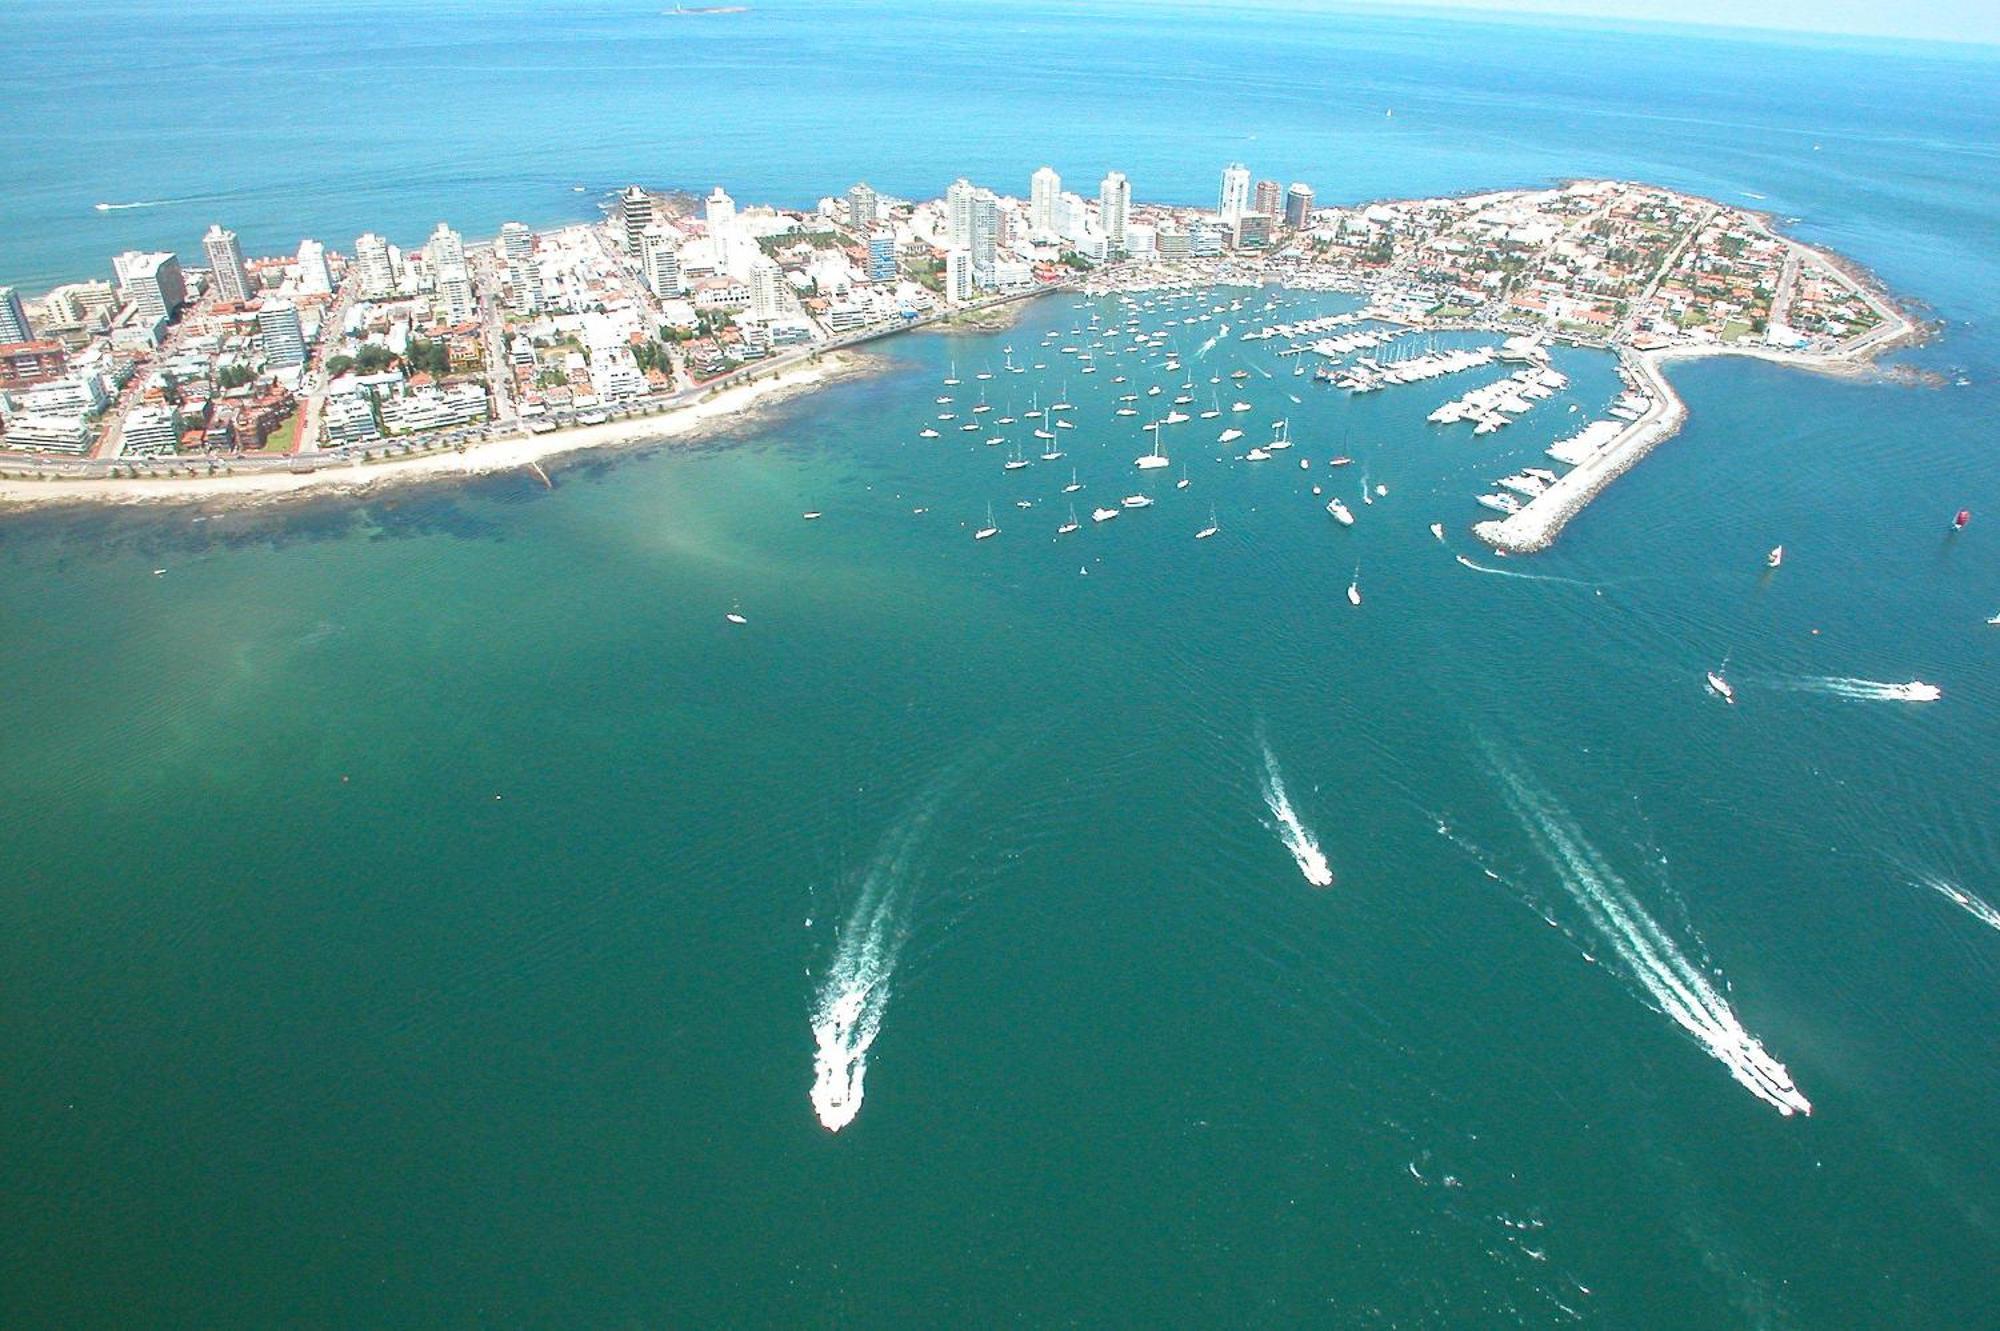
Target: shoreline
350, 476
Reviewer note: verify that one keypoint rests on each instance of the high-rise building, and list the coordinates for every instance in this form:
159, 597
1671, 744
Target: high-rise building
226, 273
1235, 199
284, 339
455, 299
151, 281
984, 230
635, 214
1253, 230
958, 214
314, 277
14, 326
516, 241
766, 300
1044, 188
958, 274
1298, 205
1270, 197
378, 269
882, 256
445, 249
1114, 201
660, 262
721, 214
524, 276
862, 207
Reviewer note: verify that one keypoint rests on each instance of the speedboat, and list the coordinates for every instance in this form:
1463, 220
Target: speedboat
1103, 514
1776, 557
927, 433
1437, 530
735, 618
1231, 436
1256, 455
1354, 591
1340, 512
1917, 691
811, 515
1342, 461
1137, 501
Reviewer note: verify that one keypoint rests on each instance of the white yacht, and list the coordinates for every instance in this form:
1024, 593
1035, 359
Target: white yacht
1231, 436
1154, 459
1103, 514
1211, 529
1341, 513
1137, 501
1074, 484
1069, 526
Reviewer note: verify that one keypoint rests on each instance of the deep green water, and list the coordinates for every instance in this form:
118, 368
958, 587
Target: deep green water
419, 909
404, 903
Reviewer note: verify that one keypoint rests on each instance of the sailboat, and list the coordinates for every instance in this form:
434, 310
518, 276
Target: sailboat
1051, 453
735, 615
1281, 435
1214, 410
1074, 484
951, 380
1720, 686
1015, 463
1064, 404
1154, 459
1776, 557
989, 529
1182, 483
980, 408
1211, 529
1069, 526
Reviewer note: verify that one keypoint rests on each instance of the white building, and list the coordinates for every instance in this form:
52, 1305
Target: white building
350, 419
226, 272
985, 233
445, 249
1235, 197
152, 282
151, 429
77, 394
378, 268
958, 275
456, 301
767, 282
660, 262
284, 337
721, 214
516, 241
958, 214
635, 215
56, 434
1044, 188
1114, 201
314, 276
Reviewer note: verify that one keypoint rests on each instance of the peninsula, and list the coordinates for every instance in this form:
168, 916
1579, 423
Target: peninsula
318, 370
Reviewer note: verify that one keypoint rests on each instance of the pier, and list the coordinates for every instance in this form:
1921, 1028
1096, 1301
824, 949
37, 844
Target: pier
1542, 518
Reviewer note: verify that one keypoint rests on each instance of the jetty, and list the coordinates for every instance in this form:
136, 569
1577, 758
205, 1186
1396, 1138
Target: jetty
1539, 521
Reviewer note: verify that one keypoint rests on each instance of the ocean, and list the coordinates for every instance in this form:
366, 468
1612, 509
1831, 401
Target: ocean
428, 909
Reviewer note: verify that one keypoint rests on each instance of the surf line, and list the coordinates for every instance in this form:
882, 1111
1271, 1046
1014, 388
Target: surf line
1293, 833
1646, 953
854, 993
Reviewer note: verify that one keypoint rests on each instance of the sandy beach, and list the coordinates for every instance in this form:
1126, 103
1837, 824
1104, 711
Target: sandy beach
336, 475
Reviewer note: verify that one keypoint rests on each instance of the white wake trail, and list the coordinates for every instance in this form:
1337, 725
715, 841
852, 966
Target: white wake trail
140, 203
1528, 577
1649, 956
1867, 690
854, 994
1312, 863
1975, 907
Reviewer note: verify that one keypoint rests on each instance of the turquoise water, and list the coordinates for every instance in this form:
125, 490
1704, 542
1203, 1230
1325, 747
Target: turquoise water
417, 909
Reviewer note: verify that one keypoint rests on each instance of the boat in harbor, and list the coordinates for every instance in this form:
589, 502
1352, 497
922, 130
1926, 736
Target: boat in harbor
1155, 459
1354, 587
951, 380
1137, 501
1776, 557
1231, 436
1182, 483
990, 529
1015, 463
1103, 514
1074, 484
1340, 512
1964, 516
927, 433
1720, 687
1069, 526
1437, 530
1342, 461
1211, 529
